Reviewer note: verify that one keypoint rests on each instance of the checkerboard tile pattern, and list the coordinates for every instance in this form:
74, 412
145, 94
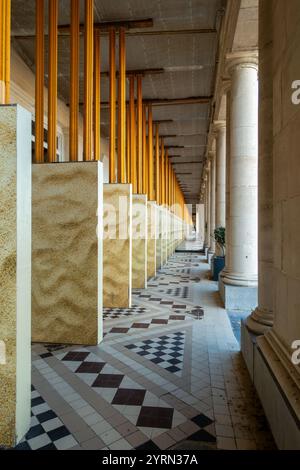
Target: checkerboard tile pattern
47, 432
141, 407
120, 395
114, 313
166, 351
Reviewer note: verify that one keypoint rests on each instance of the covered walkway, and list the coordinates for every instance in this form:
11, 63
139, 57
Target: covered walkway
169, 374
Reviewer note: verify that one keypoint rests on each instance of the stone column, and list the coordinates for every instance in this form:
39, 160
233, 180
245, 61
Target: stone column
242, 269
220, 128
208, 198
206, 209
262, 317
212, 244
15, 273
227, 188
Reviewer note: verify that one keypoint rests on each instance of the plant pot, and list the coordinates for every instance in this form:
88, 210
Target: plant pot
218, 264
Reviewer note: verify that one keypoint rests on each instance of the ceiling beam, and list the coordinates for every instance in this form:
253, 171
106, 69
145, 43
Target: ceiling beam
170, 101
107, 25
129, 25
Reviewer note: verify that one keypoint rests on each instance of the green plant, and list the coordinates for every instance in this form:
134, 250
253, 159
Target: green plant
219, 235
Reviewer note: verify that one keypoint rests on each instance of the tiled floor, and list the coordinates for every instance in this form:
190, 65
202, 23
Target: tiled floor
168, 374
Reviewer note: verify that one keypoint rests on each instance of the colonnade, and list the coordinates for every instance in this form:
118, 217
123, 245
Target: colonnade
55, 232
261, 275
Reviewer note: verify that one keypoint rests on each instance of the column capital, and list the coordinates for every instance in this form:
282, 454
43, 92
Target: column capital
211, 155
240, 60
219, 126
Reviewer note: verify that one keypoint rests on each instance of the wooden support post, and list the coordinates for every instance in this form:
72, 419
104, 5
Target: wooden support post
140, 136
150, 153
5, 28
112, 106
144, 157
122, 108
74, 81
157, 190
167, 177
97, 92
127, 144
133, 166
39, 81
160, 172
52, 81
88, 80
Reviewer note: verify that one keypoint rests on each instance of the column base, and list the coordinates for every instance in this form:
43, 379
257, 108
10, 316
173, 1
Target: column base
239, 298
260, 321
210, 255
277, 383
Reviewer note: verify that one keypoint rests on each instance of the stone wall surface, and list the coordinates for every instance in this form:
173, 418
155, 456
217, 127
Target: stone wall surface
139, 241
151, 242
286, 69
117, 251
66, 283
15, 273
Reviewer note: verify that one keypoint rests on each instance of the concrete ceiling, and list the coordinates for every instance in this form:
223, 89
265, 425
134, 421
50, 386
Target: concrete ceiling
188, 61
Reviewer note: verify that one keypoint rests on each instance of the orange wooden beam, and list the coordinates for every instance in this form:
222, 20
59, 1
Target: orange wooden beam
144, 156
74, 81
97, 91
112, 106
157, 189
52, 81
150, 154
140, 130
133, 165
122, 108
39, 81
88, 80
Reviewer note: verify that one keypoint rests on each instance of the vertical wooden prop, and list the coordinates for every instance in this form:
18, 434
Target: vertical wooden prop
166, 177
5, 27
133, 166
39, 81
122, 108
150, 154
140, 136
144, 157
97, 98
112, 106
52, 81
88, 80
127, 144
161, 166
74, 78
157, 190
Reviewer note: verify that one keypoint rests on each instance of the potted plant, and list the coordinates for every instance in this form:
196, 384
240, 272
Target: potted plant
219, 261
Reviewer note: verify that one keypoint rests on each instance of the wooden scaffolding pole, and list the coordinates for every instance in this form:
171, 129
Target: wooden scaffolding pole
157, 149
140, 130
127, 144
161, 171
39, 81
166, 176
88, 80
5, 47
112, 106
133, 166
97, 91
150, 154
122, 108
74, 81
163, 184
144, 157
52, 81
